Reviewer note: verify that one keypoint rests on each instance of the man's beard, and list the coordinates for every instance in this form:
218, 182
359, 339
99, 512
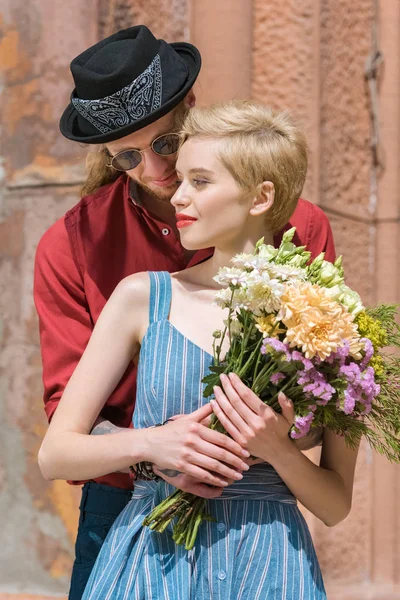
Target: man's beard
165, 194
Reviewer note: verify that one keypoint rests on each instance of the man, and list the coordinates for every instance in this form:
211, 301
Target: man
131, 93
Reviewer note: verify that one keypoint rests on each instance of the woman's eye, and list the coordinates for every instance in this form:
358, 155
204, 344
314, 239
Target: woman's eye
199, 182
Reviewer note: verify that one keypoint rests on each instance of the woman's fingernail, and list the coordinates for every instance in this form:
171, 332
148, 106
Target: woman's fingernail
246, 453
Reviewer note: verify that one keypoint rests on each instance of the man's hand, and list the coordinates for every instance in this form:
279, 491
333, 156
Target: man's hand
190, 484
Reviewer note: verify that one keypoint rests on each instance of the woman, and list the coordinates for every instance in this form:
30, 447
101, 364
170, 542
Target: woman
241, 169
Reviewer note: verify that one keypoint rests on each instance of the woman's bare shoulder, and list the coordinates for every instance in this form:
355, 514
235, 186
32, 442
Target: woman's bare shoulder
133, 290
136, 281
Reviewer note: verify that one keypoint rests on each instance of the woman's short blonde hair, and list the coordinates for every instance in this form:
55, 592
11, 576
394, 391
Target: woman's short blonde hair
259, 144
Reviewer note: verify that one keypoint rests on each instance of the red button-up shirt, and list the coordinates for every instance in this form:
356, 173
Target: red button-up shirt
84, 255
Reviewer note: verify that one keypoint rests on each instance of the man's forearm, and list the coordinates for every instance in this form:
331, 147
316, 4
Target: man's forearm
102, 427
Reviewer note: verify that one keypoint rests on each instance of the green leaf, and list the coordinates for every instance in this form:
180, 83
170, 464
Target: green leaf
210, 378
217, 369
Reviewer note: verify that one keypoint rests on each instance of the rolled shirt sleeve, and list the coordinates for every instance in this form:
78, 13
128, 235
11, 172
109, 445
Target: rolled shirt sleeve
65, 324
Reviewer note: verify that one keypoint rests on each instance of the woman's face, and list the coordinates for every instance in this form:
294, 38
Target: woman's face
216, 208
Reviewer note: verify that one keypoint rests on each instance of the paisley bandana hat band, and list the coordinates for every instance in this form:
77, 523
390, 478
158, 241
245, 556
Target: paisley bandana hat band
126, 82
133, 102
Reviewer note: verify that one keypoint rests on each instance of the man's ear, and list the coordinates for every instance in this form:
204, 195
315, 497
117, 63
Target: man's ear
190, 99
264, 199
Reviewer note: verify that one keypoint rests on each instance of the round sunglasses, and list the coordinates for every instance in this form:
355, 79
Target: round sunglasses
164, 145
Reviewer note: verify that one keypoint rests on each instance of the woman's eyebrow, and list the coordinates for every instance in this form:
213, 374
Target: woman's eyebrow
201, 170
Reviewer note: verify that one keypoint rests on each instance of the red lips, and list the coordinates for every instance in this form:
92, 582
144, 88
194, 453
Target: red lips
183, 220
183, 217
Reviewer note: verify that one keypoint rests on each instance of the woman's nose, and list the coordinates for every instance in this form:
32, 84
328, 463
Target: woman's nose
180, 198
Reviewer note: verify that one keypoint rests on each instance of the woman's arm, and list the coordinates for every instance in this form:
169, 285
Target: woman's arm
186, 445
325, 490
67, 451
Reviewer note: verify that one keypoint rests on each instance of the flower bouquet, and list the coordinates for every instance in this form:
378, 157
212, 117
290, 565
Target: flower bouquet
296, 327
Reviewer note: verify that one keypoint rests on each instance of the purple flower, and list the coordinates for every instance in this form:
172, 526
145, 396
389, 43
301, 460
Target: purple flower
307, 363
314, 384
369, 389
351, 372
350, 400
369, 352
340, 355
361, 387
302, 426
276, 378
276, 345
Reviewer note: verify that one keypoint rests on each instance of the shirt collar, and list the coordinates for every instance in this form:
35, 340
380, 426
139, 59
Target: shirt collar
132, 190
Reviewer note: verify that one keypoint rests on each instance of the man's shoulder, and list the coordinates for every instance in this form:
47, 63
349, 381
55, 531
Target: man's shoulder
94, 205
53, 239
306, 210
310, 221
312, 229
56, 240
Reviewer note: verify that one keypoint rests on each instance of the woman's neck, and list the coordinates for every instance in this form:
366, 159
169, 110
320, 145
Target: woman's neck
222, 257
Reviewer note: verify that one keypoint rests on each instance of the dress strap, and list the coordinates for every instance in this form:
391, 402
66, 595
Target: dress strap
160, 295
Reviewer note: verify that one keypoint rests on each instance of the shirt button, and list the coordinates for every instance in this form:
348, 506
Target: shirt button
221, 575
221, 526
165, 231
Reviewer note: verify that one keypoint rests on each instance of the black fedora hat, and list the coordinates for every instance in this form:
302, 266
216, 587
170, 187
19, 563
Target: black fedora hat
126, 82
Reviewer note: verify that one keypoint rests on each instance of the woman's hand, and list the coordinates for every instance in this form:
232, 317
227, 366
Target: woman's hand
187, 445
252, 424
187, 483
325, 490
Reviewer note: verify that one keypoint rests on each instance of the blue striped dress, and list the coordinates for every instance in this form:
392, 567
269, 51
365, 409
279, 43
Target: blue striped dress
259, 546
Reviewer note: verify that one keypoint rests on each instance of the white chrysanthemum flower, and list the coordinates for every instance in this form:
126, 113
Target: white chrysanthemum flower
241, 299
249, 262
223, 297
287, 272
228, 276
243, 261
264, 293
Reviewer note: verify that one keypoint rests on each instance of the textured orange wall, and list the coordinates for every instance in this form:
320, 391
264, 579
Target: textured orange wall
286, 72
345, 162
310, 57
38, 519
